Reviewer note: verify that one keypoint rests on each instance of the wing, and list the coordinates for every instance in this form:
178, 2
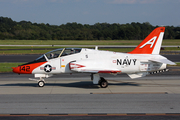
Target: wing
164, 60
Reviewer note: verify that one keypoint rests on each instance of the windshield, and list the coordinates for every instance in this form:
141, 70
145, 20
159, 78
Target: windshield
54, 54
40, 59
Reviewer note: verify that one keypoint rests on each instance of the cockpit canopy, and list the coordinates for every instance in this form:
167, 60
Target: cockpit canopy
62, 52
58, 53
55, 54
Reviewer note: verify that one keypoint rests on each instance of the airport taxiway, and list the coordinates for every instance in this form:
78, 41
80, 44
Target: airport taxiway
79, 83
76, 95
64, 86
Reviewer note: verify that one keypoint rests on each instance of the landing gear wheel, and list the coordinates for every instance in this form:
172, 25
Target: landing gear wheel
103, 83
41, 83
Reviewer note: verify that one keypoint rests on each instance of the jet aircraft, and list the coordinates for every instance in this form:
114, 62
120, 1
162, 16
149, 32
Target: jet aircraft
143, 60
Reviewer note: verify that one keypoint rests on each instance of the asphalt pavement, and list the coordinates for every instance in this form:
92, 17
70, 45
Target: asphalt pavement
75, 97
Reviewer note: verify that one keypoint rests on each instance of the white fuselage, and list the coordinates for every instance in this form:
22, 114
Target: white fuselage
96, 60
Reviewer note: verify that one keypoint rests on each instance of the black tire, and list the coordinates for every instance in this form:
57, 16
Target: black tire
41, 83
103, 83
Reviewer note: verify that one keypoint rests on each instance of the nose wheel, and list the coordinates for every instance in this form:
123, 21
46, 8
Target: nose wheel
41, 83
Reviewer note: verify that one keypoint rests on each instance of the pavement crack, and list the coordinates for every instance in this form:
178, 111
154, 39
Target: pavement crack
110, 90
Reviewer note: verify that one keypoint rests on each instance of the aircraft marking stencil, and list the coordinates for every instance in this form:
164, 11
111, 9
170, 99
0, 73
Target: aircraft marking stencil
150, 42
126, 61
142, 61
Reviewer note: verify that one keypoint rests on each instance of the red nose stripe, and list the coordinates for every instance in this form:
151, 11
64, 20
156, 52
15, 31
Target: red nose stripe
27, 69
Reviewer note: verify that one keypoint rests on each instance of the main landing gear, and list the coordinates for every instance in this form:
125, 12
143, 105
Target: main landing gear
103, 83
99, 80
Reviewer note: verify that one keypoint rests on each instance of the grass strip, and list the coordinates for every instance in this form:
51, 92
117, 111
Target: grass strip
82, 42
42, 50
7, 67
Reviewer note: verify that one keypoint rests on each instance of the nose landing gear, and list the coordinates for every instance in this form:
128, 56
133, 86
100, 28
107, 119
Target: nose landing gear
41, 81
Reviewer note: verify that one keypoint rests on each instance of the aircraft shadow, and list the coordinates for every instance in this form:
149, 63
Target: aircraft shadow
81, 84
125, 84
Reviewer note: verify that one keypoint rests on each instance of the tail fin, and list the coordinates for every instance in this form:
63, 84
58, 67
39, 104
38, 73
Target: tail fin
152, 43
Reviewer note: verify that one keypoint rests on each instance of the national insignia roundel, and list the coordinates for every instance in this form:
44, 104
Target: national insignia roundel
47, 68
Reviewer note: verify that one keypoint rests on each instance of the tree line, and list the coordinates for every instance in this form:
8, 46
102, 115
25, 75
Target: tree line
26, 30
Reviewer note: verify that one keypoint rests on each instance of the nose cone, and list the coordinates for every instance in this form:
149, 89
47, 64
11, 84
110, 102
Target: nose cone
22, 69
16, 69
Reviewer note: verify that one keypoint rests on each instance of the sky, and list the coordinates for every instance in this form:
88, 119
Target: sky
57, 12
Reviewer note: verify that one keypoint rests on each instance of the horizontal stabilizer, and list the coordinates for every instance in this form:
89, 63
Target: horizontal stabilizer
137, 75
166, 61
